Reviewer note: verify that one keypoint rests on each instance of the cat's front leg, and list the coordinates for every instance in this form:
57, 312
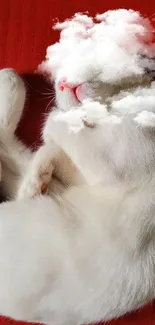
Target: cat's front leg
83, 124
48, 161
85, 139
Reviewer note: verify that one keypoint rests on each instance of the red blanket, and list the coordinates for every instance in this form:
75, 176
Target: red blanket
25, 32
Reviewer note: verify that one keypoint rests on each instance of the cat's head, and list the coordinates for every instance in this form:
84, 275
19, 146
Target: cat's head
97, 58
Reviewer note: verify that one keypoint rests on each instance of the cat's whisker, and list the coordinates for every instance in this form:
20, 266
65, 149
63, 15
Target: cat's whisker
49, 92
50, 102
47, 97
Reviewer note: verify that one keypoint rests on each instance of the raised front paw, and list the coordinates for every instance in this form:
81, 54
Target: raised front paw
29, 189
35, 183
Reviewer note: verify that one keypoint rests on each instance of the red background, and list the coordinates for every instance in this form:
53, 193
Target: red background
25, 32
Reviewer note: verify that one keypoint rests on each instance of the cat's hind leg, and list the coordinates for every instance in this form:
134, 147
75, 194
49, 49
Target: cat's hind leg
14, 156
12, 99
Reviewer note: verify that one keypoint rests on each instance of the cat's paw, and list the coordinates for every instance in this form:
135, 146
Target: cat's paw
36, 183
29, 189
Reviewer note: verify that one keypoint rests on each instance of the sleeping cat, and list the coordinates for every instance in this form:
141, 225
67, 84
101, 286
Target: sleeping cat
67, 257
86, 254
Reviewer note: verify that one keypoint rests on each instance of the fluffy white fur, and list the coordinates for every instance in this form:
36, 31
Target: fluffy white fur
14, 156
87, 252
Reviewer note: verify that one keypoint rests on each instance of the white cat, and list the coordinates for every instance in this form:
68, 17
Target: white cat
88, 253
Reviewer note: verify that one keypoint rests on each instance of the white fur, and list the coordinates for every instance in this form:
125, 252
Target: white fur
88, 252
14, 156
84, 47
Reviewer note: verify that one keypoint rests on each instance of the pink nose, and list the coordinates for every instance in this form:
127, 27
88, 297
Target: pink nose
64, 85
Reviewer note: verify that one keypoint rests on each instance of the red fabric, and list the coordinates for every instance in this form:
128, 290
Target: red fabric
25, 32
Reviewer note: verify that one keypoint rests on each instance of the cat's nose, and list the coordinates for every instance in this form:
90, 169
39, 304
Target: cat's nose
64, 85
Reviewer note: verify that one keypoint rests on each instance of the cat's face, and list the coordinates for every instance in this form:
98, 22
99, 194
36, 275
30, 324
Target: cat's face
70, 96
96, 58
